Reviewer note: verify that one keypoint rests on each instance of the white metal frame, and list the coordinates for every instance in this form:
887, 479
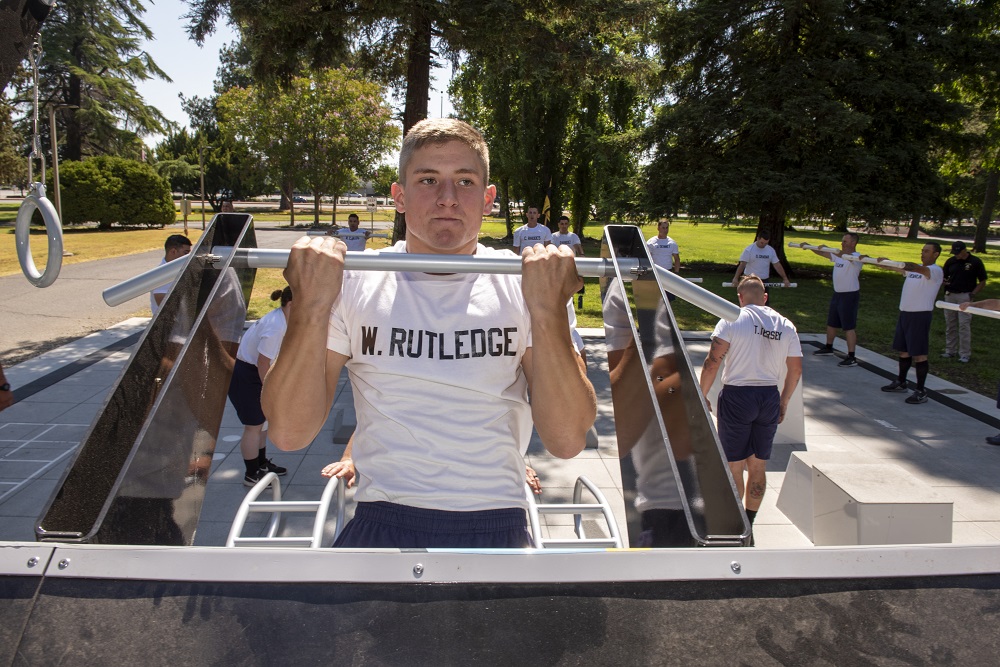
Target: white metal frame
277, 508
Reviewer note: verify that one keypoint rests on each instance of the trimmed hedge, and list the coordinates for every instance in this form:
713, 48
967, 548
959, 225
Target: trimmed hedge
114, 191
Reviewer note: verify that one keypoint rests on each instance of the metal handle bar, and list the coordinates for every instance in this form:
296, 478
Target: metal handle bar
971, 310
767, 284
370, 236
263, 258
864, 260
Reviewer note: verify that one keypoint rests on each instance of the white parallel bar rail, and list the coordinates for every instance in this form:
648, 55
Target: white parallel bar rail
265, 258
944, 305
767, 285
864, 260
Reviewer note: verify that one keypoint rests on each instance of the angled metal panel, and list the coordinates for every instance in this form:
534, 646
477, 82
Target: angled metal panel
139, 476
671, 458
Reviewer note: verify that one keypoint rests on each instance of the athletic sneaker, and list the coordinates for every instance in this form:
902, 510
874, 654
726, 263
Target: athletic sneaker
896, 386
826, 349
918, 396
947, 355
848, 361
963, 360
251, 478
993, 440
269, 466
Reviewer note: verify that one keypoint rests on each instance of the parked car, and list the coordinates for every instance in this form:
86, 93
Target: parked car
298, 200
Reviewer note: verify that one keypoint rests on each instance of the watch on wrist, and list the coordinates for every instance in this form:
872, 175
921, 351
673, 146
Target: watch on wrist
5, 386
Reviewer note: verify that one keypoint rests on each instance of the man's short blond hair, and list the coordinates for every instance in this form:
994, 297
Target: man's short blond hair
751, 284
436, 131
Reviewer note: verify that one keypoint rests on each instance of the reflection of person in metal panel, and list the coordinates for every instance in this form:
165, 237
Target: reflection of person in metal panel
760, 343
182, 433
657, 496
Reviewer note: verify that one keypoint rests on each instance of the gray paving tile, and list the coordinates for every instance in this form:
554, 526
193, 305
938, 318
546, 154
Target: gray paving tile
17, 432
37, 412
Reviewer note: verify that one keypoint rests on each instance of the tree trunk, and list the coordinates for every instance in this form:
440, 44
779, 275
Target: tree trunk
914, 231
772, 220
315, 209
986, 215
333, 216
288, 193
418, 85
74, 136
283, 202
505, 207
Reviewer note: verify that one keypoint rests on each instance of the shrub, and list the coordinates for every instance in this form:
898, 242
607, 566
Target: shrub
114, 191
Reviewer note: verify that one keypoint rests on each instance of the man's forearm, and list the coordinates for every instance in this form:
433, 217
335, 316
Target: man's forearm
563, 402
296, 397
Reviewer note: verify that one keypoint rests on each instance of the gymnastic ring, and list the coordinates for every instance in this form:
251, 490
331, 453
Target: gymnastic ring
53, 229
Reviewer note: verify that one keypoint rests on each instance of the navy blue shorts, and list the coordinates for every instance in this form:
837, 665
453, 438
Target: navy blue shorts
244, 392
388, 525
748, 420
844, 310
913, 333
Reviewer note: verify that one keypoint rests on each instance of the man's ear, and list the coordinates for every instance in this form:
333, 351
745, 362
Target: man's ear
488, 198
397, 196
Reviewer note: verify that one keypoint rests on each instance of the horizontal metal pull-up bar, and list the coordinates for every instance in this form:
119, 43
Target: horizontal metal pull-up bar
971, 310
261, 258
370, 236
863, 260
768, 285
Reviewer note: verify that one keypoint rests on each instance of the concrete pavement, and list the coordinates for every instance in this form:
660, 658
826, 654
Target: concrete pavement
939, 443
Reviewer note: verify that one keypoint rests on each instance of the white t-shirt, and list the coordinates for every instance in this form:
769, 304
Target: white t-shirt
845, 273
920, 293
354, 240
525, 236
760, 340
569, 239
759, 260
440, 396
662, 251
263, 337
162, 289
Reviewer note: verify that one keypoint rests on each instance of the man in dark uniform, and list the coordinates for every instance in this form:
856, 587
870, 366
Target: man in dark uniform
964, 278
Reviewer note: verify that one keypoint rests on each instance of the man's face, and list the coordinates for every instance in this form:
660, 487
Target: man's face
928, 255
532, 216
847, 244
663, 228
176, 252
962, 255
353, 222
564, 226
444, 199
761, 242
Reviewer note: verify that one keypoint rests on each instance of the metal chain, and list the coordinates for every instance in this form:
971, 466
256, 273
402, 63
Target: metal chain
36, 142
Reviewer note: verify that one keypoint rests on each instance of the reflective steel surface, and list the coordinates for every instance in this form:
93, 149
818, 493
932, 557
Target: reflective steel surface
678, 490
139, 476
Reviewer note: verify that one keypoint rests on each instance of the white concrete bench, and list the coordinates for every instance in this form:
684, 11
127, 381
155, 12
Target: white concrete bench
841, 498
